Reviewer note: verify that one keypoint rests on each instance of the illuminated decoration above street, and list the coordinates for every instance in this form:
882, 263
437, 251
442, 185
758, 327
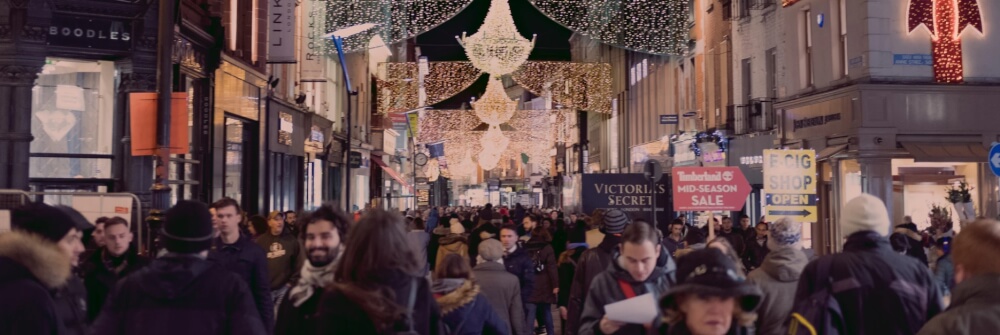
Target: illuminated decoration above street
583, 86
940, 17
492, 144
656, 27
464, 166
497, 47
495, 107
786, 3
399, 88
436, 125
395, 20
432, 170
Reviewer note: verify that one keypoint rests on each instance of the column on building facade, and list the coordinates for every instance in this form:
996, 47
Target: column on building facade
876, 179
22, 55
832, 233
137, 74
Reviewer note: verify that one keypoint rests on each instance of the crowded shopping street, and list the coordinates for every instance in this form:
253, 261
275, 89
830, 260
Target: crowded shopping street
505, 167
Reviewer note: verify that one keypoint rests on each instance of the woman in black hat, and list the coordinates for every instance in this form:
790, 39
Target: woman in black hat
710, 298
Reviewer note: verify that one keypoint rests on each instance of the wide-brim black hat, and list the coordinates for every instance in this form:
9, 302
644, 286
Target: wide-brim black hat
710, 272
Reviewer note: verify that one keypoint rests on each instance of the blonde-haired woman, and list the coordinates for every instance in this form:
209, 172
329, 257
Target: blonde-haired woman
710, 298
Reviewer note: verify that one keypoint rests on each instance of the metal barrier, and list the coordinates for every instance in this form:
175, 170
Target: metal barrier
93, 207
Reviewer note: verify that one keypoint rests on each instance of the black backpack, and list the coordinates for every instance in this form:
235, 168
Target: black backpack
819, 313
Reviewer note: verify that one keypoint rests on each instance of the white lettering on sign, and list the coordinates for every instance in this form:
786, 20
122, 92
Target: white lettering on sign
705, 176
751, 160
790, 184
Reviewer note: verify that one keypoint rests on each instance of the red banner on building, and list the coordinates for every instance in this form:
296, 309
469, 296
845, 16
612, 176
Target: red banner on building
709, 188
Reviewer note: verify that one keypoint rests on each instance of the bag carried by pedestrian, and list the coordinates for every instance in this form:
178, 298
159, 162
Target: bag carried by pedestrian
818, 314
537, 261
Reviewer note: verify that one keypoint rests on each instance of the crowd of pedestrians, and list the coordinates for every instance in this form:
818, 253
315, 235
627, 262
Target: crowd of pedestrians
492, 270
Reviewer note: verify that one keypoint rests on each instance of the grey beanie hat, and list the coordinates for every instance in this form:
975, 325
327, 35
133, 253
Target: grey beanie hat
615, 222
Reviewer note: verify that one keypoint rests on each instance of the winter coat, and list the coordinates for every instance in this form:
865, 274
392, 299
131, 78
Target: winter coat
591, 263
735, 239
101, 280
975, 309
944, 272
71, 306
606, 289
452, 244
559, 238
419, 240
672, 245
754, 256
435, 243
547, 280
567, 267
879, 290
432, 220
340, 315
180, 294
777, 278
914, 240
519, 264
503, 291
284, 258
247, 260
303, 319
465, 310
30, 267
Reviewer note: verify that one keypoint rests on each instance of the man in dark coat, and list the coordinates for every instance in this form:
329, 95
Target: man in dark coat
323, 235
879, 290
639, 263
35, 259
106, 266
914, 240
592, 263
501, 288
518, 262
182, 292
236, 252
975, 301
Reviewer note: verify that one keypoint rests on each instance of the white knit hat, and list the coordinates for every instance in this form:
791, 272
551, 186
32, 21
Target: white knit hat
456, 227
866, 212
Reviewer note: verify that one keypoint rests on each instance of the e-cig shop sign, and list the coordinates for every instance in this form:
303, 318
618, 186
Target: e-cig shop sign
90, 33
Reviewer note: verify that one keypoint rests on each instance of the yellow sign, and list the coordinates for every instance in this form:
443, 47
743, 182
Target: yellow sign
790, 185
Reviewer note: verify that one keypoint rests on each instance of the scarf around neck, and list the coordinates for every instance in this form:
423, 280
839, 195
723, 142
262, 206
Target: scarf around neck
313, 277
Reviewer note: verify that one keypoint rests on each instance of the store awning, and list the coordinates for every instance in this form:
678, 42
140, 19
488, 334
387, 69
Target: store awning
395, 175
968, 152
830, 151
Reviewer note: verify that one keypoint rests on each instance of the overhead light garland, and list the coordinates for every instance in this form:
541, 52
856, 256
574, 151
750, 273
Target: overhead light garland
396, 20
946, 20
399, 89
656, 27
494, 107
583, 86
497, 47
492, 145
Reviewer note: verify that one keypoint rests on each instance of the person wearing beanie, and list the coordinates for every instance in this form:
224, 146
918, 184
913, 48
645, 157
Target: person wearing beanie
36, 259
778, 276
709, 298
879, 290
454, 243
501, 288
182, 292
593, 262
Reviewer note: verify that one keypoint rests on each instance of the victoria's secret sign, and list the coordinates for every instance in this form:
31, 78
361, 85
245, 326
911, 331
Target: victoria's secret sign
91, 33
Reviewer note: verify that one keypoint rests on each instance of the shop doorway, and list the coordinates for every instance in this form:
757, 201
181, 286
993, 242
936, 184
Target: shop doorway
241, 147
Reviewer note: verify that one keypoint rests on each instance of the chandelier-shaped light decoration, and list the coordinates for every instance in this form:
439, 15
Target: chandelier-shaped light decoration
493, 143
464, 166
497, 48
495, 107
432, 170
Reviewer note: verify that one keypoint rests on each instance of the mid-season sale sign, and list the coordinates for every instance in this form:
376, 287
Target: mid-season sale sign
709, 188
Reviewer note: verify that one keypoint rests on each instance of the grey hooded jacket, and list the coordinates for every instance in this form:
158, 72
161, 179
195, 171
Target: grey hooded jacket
778, 278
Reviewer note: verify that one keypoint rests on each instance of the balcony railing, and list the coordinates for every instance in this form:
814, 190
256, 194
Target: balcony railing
758, 116
761, 4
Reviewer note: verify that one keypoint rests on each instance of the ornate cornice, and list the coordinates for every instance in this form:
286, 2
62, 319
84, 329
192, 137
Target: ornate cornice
137, 82
147, 42
34, 33
18, 74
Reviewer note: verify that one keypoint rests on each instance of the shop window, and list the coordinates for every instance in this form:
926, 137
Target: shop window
72, 119
185, 169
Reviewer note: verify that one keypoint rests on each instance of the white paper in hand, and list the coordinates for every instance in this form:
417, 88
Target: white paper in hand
639, 310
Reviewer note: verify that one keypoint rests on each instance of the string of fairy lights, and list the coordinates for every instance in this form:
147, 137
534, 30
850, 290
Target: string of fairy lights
395, 20
946, 20
656, 27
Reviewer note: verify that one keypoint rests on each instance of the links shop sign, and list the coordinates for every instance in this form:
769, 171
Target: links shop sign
630, 193
90, 33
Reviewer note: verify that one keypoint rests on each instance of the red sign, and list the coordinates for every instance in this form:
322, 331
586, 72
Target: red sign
709, 188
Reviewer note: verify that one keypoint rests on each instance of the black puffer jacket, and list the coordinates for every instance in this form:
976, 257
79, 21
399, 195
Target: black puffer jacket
606, 289
71, 305
591, 263
879, 290
30, 267
100, 280
180, 295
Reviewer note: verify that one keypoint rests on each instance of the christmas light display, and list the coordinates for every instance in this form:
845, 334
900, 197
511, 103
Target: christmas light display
497, 47
492, 144
656, 27
396, 20
399, 91
946, 20
495, 107
583, 86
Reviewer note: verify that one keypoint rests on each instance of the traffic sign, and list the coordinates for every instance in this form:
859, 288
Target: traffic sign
994, 159
790, 185
709, 188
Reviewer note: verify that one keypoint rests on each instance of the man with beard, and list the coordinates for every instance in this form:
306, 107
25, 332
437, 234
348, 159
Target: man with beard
323, 234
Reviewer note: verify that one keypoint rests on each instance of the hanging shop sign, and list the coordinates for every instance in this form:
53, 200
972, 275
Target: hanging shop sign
354, 159
281, 31
89, 32
142, 119
709, 188
311, 65
790, 185
631, 193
